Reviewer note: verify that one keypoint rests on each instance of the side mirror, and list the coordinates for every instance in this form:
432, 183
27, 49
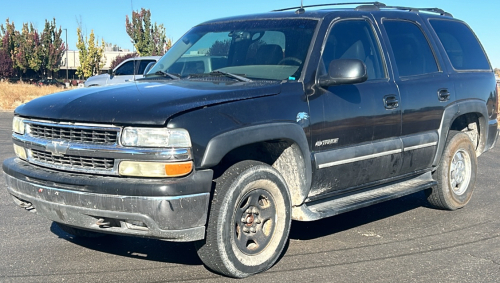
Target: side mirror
148, 67
344, 71
111, 72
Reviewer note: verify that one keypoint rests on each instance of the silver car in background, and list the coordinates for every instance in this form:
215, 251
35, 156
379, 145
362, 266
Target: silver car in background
128, 71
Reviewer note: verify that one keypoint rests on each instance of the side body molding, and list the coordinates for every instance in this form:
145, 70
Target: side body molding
220, 145
458, 109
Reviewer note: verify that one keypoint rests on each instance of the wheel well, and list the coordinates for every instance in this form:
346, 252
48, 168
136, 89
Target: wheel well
284, 155
469, 124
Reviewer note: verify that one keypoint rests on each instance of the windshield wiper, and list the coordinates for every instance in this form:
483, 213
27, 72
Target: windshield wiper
231, 75
165, 74
221, 73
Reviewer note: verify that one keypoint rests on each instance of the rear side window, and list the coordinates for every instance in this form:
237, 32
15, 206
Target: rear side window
411, 49
461, 45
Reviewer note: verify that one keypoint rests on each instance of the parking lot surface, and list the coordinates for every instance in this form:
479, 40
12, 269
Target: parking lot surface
404, 240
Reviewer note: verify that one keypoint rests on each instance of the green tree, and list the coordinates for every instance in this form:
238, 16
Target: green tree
8, 31
148, 39
6, 68
120, 58
219, 48
27, 50
7, 49
52, 49
92, 57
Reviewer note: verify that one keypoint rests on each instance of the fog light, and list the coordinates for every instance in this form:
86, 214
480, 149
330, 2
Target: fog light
20, 152
154, 169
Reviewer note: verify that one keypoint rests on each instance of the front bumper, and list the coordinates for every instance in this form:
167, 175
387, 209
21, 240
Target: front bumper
155, 213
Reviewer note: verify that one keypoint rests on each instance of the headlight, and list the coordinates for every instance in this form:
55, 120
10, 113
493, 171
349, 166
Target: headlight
155, 137
18, 125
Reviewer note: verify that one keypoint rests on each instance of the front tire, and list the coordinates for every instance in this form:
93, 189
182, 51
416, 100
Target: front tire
456, 173
249, 220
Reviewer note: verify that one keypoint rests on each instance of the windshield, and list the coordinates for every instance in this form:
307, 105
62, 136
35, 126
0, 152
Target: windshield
259, 49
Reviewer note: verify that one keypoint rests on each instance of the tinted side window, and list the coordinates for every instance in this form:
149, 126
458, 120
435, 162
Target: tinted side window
461, 45
354, 39
142, 65
411, 49
125, 69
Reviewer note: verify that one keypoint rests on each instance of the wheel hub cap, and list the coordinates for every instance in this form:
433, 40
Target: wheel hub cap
254, 221
249, 220
460, 172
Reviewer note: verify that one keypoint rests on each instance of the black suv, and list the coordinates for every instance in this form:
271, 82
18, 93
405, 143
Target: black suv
249, 122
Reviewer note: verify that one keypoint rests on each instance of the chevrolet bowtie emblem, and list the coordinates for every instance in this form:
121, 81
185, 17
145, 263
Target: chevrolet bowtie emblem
57, 148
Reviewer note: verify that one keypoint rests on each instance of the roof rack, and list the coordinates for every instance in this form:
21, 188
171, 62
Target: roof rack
432, 10
331, 4
370, 6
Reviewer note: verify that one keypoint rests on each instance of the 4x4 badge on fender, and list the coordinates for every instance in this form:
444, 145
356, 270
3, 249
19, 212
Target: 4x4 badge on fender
326, 142
57, 148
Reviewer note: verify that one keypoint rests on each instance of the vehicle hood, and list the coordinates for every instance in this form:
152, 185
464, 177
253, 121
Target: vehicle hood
143, 103
99, 79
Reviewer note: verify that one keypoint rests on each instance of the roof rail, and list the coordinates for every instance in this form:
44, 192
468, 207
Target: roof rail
332, 4
374, 5
432, 10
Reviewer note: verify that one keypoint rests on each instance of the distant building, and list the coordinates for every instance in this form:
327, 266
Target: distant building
73, 57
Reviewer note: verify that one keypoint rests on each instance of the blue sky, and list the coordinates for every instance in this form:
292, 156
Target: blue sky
107, 17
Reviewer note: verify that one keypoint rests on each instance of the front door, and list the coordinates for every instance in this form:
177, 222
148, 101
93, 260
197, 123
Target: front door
355, 129
123, 74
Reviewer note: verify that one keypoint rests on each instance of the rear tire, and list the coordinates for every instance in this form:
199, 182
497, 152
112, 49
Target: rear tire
249, 220
456, 173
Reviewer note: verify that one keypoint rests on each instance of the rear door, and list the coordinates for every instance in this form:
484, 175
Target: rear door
424, 87
354, 128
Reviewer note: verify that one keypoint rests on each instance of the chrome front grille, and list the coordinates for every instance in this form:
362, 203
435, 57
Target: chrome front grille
86, 148
71, 147
73, 134
71, 162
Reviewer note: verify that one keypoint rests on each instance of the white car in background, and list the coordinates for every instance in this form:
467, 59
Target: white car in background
127, 71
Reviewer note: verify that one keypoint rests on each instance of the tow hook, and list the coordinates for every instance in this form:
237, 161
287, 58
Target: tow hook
102, 223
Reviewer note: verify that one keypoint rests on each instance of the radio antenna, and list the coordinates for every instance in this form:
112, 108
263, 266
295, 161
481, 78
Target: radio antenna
301, 10
133, 45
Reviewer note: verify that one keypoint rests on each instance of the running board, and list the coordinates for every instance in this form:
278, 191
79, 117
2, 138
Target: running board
332, 206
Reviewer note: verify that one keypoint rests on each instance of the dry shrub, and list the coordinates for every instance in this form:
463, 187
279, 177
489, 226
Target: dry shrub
13, 95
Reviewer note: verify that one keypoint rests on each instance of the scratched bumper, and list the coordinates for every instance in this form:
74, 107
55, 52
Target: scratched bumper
174, 218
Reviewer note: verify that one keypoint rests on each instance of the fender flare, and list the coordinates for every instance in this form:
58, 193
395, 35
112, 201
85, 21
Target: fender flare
455, 110
220, 145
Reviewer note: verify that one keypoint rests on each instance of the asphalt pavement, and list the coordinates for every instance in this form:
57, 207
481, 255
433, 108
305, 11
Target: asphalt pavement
404, 240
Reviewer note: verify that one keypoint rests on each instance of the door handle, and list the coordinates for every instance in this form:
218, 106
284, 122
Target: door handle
443, 94
391, 102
